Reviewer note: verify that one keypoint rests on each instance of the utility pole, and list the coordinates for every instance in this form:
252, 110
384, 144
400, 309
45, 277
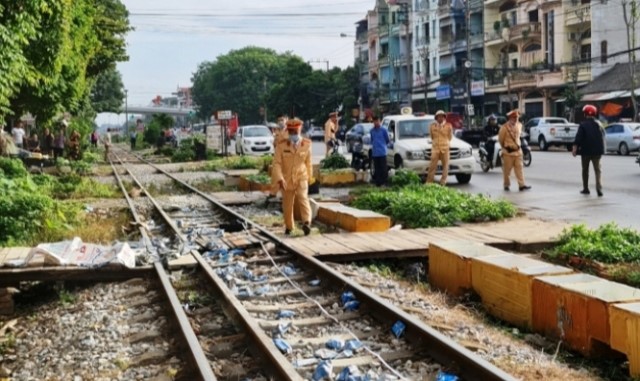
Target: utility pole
468, 64
405, 10
126, 111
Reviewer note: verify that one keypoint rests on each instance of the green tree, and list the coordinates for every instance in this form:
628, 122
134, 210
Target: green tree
18, 27
54, 51
158, 123
107, 91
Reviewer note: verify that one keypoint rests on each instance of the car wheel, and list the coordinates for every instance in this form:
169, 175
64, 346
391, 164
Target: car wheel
624, 149
526, 158
542, 143
463, 178
397, 162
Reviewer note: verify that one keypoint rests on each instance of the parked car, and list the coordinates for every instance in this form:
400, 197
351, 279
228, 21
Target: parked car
316, 133
623, 138
355, 134
410, 147
254, 140
551, 131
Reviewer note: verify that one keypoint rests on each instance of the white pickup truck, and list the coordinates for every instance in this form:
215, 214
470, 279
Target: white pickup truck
551, 131
410, 147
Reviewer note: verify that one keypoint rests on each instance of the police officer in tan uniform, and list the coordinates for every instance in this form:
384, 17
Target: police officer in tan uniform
441, 133
330, 129
292, 171
281, 132
509, 139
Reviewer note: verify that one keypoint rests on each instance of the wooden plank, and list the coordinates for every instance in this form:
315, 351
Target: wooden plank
9, 277
525, 232
18, 254
252, 307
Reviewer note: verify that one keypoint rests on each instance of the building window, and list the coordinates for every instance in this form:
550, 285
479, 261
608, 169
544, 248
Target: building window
393, 18
434, 29
435, 68
427, 66
418, 67
533, 16
585, 52
603, 52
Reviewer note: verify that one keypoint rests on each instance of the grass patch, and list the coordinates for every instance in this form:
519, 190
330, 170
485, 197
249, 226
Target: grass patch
423, 206
238, 162
334, 162
212, 185
260, 178
66, 298
609, 251
99, 228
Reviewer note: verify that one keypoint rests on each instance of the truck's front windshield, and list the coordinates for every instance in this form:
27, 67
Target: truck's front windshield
414, 129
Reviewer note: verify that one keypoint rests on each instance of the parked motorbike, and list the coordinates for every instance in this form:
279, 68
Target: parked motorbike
638, 159
359, 160
495, 161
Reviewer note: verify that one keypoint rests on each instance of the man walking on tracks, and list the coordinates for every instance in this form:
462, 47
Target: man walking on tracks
292, 171
589, 143
441, 134
509, 139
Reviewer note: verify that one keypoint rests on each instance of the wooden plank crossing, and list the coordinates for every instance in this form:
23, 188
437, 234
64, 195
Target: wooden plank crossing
513, 234
239, 198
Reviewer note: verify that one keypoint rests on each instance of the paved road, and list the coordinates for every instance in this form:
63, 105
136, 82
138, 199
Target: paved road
556, 180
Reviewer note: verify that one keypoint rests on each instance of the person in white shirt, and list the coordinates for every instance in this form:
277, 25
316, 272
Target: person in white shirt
18, 135
106, 140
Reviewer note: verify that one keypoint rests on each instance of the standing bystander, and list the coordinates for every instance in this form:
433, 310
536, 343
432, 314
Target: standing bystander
330, 129
509, 139
441, 133
589, 144
379, 142
18, 134
106, 140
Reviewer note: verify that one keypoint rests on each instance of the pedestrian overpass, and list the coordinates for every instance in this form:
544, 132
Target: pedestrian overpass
150, 110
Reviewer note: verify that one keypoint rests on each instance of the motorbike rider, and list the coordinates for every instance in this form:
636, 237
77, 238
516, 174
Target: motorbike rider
490, 130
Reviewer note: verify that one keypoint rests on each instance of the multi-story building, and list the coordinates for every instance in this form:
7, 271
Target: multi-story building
425, 53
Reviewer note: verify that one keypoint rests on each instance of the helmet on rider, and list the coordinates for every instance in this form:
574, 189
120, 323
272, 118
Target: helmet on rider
590, 110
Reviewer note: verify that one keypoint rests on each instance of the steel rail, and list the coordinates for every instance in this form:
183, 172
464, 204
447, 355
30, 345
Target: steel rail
441, 348
132, 208
196, 353
200, 363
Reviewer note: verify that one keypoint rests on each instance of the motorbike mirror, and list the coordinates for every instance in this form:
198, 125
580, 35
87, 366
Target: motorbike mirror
390, 135
366, 139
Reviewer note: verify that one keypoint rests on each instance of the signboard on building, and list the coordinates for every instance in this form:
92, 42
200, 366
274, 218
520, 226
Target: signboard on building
443, 92
225, 115
214, 137
477, 88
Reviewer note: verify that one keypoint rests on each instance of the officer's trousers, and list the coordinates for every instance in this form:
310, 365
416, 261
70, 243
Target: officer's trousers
512, 162
436, 156
301, 198
595, 159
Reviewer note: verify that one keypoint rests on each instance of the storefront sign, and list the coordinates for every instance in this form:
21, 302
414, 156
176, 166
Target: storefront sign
443, 92
477, 88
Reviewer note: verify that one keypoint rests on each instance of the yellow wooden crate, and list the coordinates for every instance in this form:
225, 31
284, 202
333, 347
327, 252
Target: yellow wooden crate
450, 264
576, 309
337, 178
356, 220
352, 219
504, 284
624, 324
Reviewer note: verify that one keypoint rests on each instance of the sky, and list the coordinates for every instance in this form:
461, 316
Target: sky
171, 38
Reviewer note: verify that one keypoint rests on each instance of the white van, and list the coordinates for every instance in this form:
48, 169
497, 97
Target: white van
410, 147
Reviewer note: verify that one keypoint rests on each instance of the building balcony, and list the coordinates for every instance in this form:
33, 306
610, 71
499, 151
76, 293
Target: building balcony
493, 38
584, 73
495, 79
458, 44
492, 3
529, 59
525, 31
476, 39
446, 71
522, 79
444, 46
422, 6
383, 59
577, 15
475, 5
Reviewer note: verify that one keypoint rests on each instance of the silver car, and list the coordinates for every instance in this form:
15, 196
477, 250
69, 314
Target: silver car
623, 137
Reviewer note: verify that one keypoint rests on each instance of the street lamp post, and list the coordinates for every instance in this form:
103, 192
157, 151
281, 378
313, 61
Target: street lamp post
264, 89
126, 111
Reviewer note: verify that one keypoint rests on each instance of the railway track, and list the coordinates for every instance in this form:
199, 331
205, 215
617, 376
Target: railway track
297, 316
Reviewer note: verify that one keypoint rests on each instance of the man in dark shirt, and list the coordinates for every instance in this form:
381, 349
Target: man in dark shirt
589, 144
491, 130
